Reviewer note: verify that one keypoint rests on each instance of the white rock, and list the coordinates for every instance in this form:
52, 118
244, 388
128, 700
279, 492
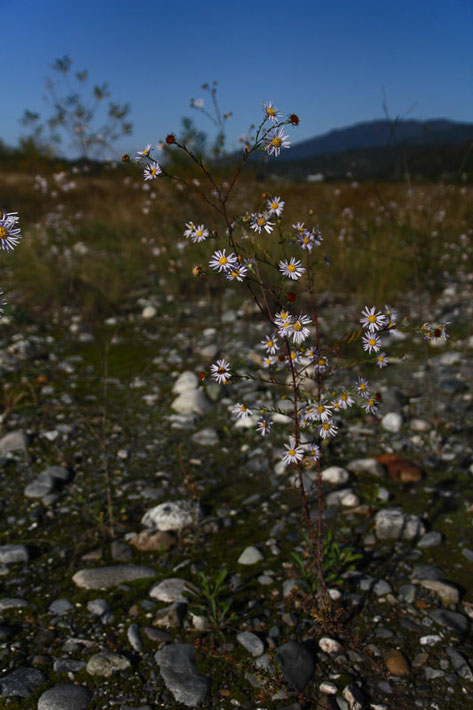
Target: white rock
250, 556
335, 474
171, 590
148, 312
345, 497
206, 437
173, 515
330, 646
328, 687
393, 524
447, 592
191, 401
187, 380
392, 421
13, 441
430, 640
419, 425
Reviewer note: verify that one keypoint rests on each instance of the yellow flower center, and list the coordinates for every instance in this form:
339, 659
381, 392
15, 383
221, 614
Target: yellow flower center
221, 370
344, 396
291, 268
300, 229
297, 325
276, 142
380, 358
363, 388
274, 206
321, 408
261, 221
292, 452
270, 111
293, 356
223, 260
3, 233
321, 361
270, 343
326, 426
242, 408
305, 240
372, 318
199, 233
372, 341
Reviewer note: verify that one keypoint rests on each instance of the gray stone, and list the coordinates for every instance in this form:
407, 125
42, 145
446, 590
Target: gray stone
105, 664
181, 676
171, 590
460, 664
47, 481
65, 697
133, 636
430, 539
369, 465
251, 642
172, 515
60, 606
427, 572
392, 523
21, 682
392, 422
99, 607
289, 584
106, 577
250, 556
354, 697
67, 665
345, 497
187, 380
447, 592
13, 553
450, 619
407, 592
12, 603
335, 475
297, 664
13, 441
171, 616
206, 437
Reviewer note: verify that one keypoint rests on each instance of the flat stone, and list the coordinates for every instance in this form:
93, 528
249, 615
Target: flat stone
172, 515
157, 635
153, 541
460, 664
392, 422
250, 556
120, 551
99, 607
394, 524
335, 475
400, 469
171, 590
330, 646
297, 664
191, 401
345, 497
148, 312
396, 662
67, 665
450, 619
427, 572
430, 539
60, 606
12, 603
171, 616
133, 636
187, 380
21, 682
13, 553
48, 480
368, 465
206, 437
251, 642
106, 577
105, 664
447, 592
65, 697
181, 676
354, 697
13, 441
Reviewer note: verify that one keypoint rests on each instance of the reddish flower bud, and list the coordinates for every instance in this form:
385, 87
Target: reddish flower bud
291, 296
281, 358
170, 138
202, 375
294, 119
125, 158
197, 270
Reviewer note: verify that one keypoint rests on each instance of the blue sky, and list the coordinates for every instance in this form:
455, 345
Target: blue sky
328, 61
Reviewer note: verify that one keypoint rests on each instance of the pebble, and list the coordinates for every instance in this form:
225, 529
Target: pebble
13, 553
392, 523
460, 664
65, 697
328, 687
335, 475
60, 606
148, 312
429, 640
181, 676
48, 480
206, 437
21, 682
330, 646
396, 662
171, 590
172, 515
133, 636
368, 465
12, 603
297, 664
451, 620
67, 665
13, 441
392, 422
447, 592
106, 577
250, 556
251, 642
430, 539
192, 401
150, 541
105, 664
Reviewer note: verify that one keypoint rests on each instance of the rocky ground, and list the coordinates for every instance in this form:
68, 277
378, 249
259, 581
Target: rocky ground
91, 619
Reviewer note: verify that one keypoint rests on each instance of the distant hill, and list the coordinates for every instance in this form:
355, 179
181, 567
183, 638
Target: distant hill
381, 134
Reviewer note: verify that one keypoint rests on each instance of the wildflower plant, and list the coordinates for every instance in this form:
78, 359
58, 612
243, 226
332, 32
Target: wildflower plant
277, 264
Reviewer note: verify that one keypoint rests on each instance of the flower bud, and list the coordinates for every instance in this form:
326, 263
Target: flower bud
291, 296
170, 138
125, 158
294, 119
197, 271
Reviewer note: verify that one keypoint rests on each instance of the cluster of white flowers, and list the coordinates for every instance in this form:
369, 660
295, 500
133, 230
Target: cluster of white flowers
153, 168
10, 235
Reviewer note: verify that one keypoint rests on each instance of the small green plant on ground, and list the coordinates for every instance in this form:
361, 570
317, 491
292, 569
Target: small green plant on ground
337, 559
212, 600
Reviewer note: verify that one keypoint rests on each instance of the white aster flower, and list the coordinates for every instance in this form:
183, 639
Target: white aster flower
144, 153
152, 171
221, 371
306, 240
299, 228
372, 320
299, 330
270, 344
237, 272
321, 363
346, 400
294, 357
294, 453
271, 112
370, 406
292, 269
221, 262
264, 426
260, 221
199, 234
275, 206
190, 229
276, 140
10, 235
381, 360
323, 411
241, 411
268, 361
327, 429
371, 342
363, 387
314, 452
